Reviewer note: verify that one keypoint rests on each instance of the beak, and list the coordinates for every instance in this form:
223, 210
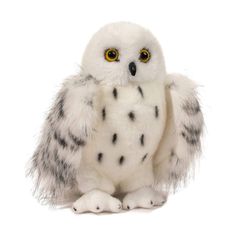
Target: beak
132, 68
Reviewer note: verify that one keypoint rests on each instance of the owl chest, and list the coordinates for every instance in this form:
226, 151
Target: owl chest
130, 124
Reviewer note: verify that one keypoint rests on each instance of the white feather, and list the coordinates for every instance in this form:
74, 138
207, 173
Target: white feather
175, 156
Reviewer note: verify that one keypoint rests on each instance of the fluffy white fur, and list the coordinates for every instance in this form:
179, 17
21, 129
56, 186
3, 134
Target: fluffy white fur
129, 39
113, 133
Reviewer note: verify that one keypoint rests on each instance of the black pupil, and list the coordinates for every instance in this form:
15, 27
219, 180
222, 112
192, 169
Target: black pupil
144, 55
112, 54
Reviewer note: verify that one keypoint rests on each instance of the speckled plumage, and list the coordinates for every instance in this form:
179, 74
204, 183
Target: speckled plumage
130, 131
112, 131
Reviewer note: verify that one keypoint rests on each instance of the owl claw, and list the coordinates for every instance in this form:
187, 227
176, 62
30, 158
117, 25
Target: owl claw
96, 201
143, 198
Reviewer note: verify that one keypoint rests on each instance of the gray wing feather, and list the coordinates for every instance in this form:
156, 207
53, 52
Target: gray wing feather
181, 142
66, 130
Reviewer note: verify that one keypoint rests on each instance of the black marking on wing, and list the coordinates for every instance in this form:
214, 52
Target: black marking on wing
59, 106
61, 110
192, 130
57, 167
78, 141
60, 139
191, 140
191, 107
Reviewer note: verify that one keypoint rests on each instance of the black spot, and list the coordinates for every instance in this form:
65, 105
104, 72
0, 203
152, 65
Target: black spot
115, 94
98, 208
144, 157
156, 111
142, 140
76, 140
131, 116
104, 113
121, 160
99, 157
60, 140
128, 207
74, 209
140, 91
114, 138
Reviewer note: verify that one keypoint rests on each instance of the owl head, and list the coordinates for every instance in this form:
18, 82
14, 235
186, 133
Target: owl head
121, 53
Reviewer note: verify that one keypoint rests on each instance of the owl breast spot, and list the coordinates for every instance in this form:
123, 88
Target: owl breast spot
128, 131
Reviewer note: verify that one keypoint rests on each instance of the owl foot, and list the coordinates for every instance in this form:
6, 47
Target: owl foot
97, 201
145, 197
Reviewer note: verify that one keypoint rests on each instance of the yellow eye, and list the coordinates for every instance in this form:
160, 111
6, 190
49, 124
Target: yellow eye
111, 54
144, 55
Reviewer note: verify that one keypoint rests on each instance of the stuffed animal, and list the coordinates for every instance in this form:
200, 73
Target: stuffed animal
122, 126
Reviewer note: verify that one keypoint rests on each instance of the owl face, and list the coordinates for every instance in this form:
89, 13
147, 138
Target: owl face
122, 53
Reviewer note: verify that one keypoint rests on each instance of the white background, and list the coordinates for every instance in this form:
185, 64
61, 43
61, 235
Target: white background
41, 43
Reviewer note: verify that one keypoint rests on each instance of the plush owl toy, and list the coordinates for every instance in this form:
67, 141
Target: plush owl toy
123, 126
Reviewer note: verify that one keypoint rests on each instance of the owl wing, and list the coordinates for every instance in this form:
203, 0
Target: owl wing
181, 142
67, 128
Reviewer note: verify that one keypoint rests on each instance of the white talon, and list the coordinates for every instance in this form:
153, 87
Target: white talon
145, 198
96, 201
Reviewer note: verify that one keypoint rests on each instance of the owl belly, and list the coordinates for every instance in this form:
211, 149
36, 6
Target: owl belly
130, 124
